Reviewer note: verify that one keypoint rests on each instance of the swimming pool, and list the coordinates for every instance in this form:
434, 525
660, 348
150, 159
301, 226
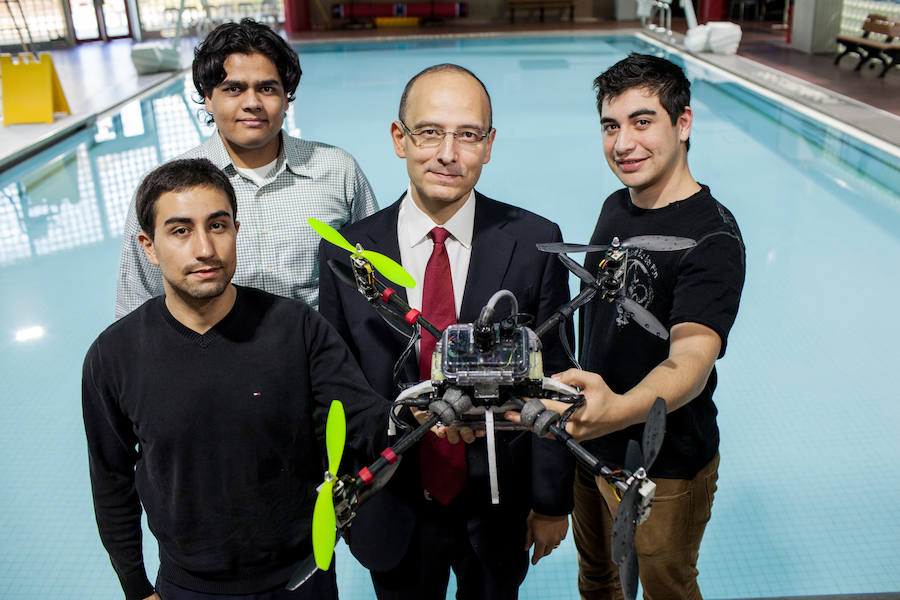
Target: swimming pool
807, 394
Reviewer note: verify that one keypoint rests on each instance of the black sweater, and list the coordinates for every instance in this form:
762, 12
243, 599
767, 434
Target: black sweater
214, 435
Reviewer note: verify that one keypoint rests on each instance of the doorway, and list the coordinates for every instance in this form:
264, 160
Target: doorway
96, 20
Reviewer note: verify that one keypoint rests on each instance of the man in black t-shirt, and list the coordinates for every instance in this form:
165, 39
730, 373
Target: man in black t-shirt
645, 113
198, 406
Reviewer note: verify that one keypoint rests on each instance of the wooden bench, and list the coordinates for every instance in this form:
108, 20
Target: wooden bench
868, 48
530, 5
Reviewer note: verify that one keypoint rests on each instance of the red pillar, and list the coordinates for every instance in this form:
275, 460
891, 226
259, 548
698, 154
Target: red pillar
296, 16
790, 23
713, 10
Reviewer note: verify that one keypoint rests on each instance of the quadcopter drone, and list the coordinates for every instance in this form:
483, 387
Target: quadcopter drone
478, 370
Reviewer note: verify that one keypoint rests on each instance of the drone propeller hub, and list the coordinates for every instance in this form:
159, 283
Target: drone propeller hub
385, 265
638, 475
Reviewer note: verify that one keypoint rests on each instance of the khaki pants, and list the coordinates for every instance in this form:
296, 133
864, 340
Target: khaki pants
667, 543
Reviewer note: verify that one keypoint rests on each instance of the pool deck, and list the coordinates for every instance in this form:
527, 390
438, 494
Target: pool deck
859, 100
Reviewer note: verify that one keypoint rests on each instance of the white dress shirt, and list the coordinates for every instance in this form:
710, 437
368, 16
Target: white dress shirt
413, 227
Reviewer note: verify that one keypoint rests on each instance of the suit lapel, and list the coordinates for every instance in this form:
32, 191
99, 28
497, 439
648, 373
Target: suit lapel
492, 252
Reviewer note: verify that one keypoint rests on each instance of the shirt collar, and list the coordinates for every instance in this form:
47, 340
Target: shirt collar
218, 154
418, 224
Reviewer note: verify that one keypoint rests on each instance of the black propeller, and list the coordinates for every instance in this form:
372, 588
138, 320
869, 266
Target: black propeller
642, 316
654, 432
661, 243
638, 460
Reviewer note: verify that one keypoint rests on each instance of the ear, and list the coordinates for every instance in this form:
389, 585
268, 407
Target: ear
398, 136
489, 143
685, 120
237, 226
207, 104
149, 249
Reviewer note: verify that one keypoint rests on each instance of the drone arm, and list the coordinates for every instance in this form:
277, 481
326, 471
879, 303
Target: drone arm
447, 409
584, 457
566, 311
389, 296
370, 287
546, 422
368, 475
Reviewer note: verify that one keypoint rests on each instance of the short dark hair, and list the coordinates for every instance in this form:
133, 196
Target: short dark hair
401, 113
658, 75
246, 37
177, 176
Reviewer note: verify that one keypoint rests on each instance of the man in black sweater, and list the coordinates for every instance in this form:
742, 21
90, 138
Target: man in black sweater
199, 406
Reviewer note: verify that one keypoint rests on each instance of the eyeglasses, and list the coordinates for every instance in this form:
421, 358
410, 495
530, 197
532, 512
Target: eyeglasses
432, 137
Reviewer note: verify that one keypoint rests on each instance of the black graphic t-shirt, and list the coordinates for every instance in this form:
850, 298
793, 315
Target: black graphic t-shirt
699, 285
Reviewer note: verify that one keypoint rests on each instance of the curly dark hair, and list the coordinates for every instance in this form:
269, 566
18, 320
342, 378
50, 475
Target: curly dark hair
662, 77
246, 37
176, 176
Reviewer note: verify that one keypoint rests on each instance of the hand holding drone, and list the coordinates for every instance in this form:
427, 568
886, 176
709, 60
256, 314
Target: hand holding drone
480, 370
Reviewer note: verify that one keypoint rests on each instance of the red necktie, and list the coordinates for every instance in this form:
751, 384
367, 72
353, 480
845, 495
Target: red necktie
443, 464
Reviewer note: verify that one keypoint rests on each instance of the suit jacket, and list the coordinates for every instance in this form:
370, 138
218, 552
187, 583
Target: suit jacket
533, 473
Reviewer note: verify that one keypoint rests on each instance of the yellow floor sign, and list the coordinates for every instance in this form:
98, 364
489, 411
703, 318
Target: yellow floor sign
31, 89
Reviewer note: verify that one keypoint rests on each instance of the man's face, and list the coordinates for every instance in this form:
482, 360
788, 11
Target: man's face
444, 175
248, 106
193, 243
642, 146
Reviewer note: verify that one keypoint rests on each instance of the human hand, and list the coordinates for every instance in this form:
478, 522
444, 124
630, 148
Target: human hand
544, 533
602, 410
451, 432
153, 596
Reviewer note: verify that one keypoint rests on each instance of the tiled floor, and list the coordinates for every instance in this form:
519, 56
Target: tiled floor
767, 46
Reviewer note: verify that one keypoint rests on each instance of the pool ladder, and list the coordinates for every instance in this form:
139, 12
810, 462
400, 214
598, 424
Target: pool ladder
664, 13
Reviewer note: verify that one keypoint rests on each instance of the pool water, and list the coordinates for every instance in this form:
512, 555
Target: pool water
809, 480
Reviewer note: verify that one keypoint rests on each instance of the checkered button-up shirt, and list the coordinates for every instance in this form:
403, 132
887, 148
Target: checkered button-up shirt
276, 249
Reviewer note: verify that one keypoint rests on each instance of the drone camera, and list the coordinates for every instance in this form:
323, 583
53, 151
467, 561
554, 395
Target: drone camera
484, 337
502, 357
507, 328
612, 271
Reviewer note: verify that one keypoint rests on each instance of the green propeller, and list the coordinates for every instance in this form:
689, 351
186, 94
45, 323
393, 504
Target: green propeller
324, 533
383, 264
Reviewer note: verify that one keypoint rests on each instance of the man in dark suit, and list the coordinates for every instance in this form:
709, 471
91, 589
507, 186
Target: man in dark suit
409, 536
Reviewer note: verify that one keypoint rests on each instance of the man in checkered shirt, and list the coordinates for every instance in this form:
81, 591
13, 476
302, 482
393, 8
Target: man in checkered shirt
247, 75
